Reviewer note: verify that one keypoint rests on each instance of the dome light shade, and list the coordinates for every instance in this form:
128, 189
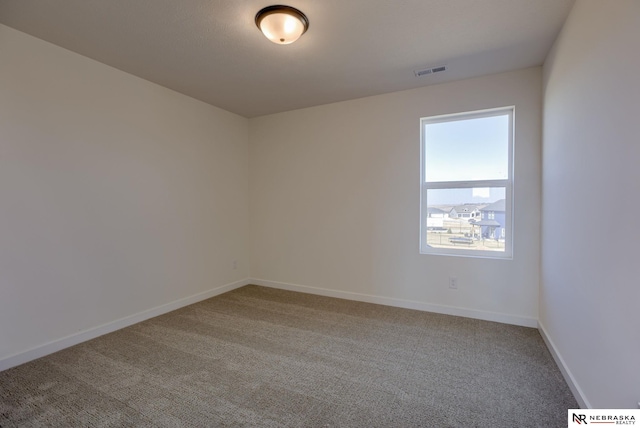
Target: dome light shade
282, 24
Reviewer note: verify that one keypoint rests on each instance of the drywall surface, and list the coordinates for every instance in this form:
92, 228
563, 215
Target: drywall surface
589, 287
335, 192
116, 195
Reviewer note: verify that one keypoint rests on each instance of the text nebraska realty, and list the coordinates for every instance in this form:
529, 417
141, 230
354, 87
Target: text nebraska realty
612, 419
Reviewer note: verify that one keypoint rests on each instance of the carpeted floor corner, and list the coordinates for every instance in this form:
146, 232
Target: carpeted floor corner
261, 357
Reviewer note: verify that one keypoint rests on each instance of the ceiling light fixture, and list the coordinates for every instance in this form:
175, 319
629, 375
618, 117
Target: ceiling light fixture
282, 24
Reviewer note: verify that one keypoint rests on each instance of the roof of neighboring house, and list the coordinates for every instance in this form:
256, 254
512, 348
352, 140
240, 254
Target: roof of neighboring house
465, 208
499, 205
434, 210
487, 223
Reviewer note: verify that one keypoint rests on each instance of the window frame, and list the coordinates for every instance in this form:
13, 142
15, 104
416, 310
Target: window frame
507, 184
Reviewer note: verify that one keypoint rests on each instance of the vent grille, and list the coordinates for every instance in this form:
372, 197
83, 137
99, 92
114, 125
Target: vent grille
427, 71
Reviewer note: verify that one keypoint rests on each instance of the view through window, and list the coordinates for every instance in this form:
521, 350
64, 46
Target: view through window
466, 183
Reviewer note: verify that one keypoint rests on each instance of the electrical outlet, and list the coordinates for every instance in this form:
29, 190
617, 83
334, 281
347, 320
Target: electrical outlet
235, 264
453, 282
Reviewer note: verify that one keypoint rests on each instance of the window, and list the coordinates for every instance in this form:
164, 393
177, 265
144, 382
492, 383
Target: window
467, 175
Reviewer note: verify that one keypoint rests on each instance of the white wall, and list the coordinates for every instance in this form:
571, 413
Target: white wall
334, 201
116, 195
590, 290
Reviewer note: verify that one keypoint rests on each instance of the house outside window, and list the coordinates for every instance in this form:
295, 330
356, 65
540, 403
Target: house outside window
466, 170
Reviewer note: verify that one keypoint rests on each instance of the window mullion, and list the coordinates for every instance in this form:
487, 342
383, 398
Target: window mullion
464, 184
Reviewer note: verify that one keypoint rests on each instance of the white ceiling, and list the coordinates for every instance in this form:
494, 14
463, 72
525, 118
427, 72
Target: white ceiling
212, 50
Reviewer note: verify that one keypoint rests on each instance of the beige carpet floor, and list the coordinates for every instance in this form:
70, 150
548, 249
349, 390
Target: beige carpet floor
260, 357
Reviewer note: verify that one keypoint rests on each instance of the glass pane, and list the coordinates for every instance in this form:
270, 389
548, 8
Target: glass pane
472, 218
467, 150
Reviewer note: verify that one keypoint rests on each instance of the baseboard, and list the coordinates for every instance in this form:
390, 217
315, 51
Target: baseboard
564, 369
400, 303
92, 333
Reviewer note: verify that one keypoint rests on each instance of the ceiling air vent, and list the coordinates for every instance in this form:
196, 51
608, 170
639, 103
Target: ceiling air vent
427, 71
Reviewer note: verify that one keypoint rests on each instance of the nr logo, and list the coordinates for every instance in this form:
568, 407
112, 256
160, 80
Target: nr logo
580, 419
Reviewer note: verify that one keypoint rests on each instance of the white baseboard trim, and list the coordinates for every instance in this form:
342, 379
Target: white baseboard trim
401, 303
92, 333
564, 369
